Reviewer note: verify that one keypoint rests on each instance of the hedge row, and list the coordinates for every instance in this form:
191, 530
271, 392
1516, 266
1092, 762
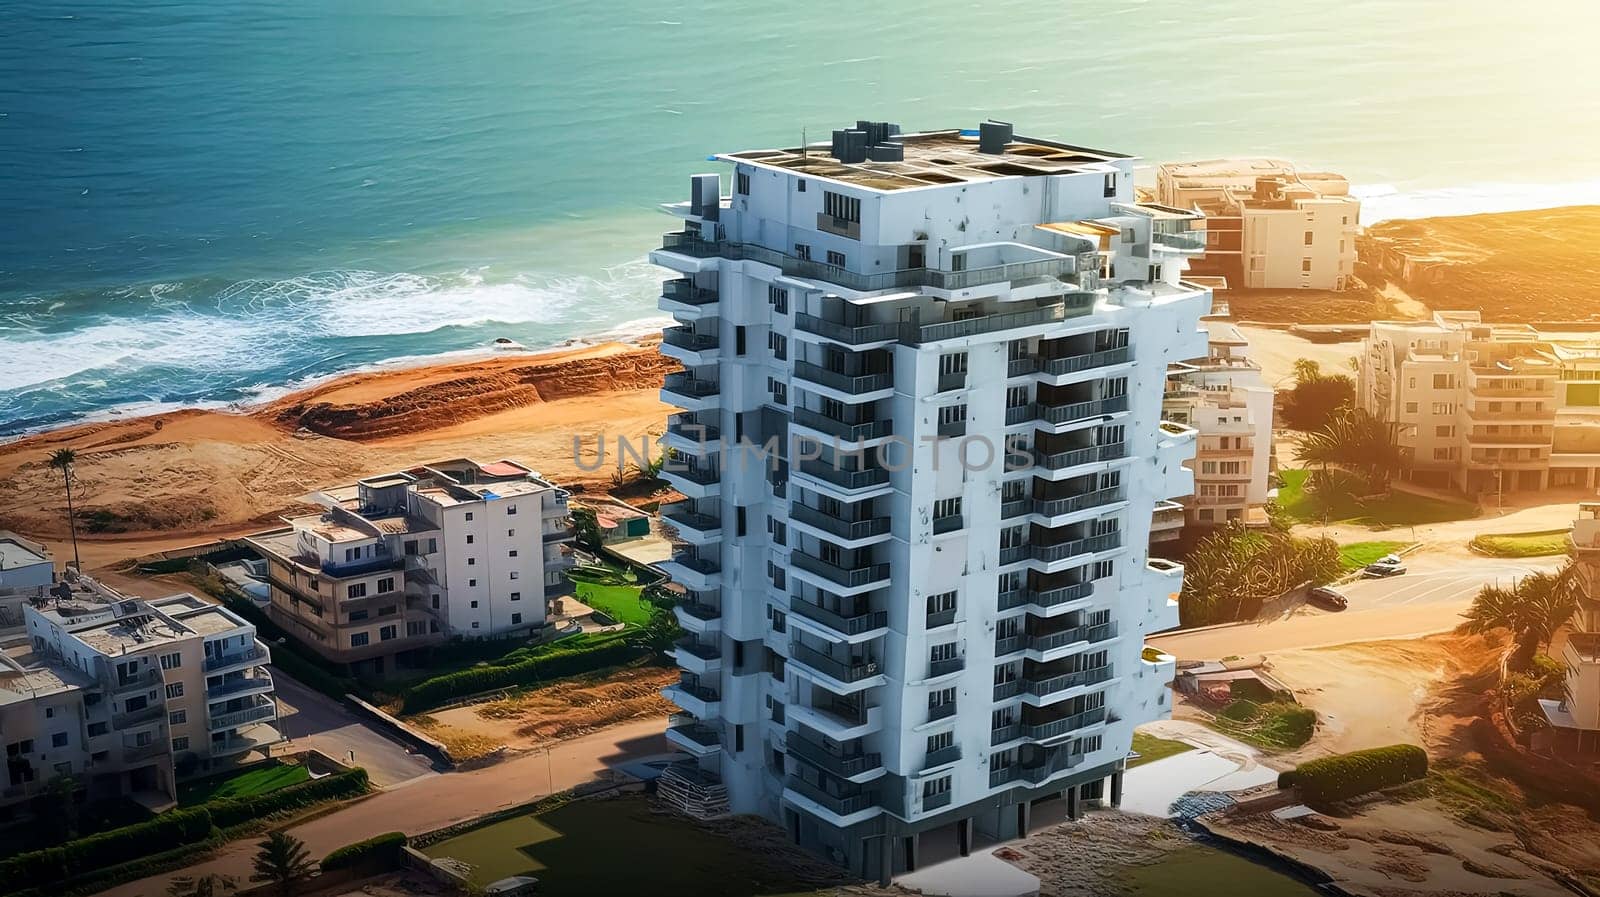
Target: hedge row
39, 868
552, 664
1344, 776
378, 852
231, 811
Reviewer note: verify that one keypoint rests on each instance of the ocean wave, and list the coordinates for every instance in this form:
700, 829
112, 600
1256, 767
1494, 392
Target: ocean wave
1382, 202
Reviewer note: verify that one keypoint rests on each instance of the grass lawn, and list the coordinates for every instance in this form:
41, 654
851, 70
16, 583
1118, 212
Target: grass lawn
257, 779
1359, 554
1202, 871
1150, 749
621, 603
1275, 725
1522, 545
1396, 509
619, 846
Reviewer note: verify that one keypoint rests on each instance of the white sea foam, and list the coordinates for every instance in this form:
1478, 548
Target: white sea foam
1381, 202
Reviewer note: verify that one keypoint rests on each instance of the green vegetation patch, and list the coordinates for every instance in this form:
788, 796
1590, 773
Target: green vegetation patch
1202, 871
258, 779
1344, 776
1522, 545
1356, 555
378, 852
1150, 749
583, 653
623, 603
1275, 725
1342, 505
621, 846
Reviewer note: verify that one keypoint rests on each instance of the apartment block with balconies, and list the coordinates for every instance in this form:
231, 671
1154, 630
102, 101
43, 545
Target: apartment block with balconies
1574, 718
1487, 408
920, 447
124, 697
397, 563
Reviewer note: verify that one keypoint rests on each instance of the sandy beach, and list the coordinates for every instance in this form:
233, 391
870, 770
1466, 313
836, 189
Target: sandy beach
150, 483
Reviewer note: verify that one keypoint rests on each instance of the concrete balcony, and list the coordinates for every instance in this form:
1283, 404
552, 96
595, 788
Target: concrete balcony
1047, 602
144, 681
1069, 463
855, 533
139, 753
1064, 415
689, 346
842, 676
258, 682
699, 700
1054, 688
1061, 507
695, 482
843, 810
1478, 436
1054, 645
1057, 371
841, 386
687, 302
700, 658
1059, 556
691, 735
150, 713
689, 392
854, 766
687, 434
840, 722
819, 475
1068, 725
692, 526
267, 710
847, 433
861, 576
856, 335
698, 615
254, 656
941, 757
693, 572
837, 627
254, 737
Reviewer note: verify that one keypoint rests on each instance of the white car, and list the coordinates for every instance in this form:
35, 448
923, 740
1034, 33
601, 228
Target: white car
1388, 565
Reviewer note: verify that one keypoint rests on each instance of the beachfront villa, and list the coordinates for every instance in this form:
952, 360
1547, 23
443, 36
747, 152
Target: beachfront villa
125, 696
398, 563
1268, 224
924, 613
1487, 408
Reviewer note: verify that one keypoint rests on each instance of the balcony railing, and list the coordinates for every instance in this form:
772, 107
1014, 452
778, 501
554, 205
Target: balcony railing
848, 334
941, 711
847, 431
947, 524
851, 577
1076, 411
681, 290
1050, 553
705, 476
690, 645
1005, 733
1007, 690
252, 655
150, 678
1015, 507
946, 667
1045, 597
844, 765
143, 752
1075, 363
686, 384
853, 670
855, 384
700, 733
1054, 507
687, 338
942, 756
848, 530
146, 714
687, 427
842, 478
1057, 728
1050, 685
1075, 457
940, 618
1072, 636
935, 801
680, 514
839, 805
242, 717
703, 566
852, 625
240, 684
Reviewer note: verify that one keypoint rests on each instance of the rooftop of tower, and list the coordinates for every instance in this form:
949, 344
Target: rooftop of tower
883, 159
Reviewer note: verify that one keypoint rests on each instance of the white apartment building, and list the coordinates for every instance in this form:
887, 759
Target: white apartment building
1485, 407
400, 562
882, 640
25, 565
1268, 226
1224, 397
1575, 719
124, 696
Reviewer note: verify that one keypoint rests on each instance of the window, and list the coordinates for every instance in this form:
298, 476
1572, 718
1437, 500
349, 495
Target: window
941, 698
467, 517
387, 633
1444, 430
779, 344
1155, 273
778, 298
181, 743
739, 516
952, 414
944, 602
355, 590
1411, 407
1108, 187
841, 207
175, 690
58, 739
516, 619
779, 390
386, 584
177, 717
357, 616
741, 183
940, 741
1308, 238
98, 729
511, 510
1444, 408
1444, 381
511, 553
946, 509
1101, 569
802, 252
836, 259
946, 651
359, 639
416, 627
515, 574
474, 604
1305, 266
472, 562
472, 583
471, 538
137, 703
800, 185
935, 787
474, 624
171, 661
738, 340
516, 596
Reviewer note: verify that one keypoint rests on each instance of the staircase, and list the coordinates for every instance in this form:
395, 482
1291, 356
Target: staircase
693, 791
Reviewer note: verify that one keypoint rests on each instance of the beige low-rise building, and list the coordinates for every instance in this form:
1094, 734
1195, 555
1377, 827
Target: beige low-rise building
1487, 408
1268, 224
124, 697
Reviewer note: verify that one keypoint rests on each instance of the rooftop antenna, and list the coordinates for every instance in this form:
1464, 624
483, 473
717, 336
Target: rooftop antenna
803, 143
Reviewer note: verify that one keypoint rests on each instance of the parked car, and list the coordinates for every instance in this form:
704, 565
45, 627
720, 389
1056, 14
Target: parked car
1327, 598
1388, 565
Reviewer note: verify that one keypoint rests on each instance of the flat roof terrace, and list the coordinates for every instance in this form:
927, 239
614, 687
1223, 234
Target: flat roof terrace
933, 158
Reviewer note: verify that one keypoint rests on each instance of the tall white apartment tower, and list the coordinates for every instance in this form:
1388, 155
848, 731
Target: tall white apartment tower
886, 639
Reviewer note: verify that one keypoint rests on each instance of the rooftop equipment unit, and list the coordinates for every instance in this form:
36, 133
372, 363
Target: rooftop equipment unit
993, 137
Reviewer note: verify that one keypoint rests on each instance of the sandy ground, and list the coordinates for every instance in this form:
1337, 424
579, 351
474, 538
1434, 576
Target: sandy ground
1277, 350
176, 479
534, 719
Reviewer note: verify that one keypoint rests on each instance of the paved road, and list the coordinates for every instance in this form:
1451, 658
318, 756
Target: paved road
433, 802
313, 720
1429, 599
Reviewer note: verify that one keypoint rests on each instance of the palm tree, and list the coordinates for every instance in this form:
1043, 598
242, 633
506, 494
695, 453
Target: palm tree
1355, 439
1533, 609
283, 859
212, 885
62, 460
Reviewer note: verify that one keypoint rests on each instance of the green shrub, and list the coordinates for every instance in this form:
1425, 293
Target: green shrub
39, 868
553, 663
1344, 776
233, 811
379, 852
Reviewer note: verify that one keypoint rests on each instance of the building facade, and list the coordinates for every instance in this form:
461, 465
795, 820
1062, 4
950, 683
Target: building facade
1223, 396
1575, 718
1487, 408
400, 562
1268, 226
124, 696
925, 606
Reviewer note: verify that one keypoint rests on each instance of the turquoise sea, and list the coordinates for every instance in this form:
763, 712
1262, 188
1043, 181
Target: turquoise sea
204, 202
